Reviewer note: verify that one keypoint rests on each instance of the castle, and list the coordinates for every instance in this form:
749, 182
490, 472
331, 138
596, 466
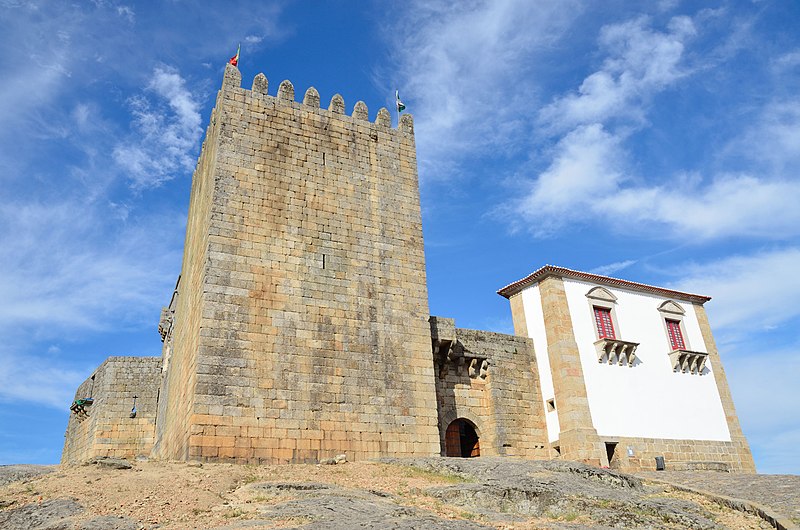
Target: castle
299, 326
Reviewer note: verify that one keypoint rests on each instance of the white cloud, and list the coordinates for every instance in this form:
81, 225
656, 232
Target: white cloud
463, 73
731, 205
589, 176
788, 60
640, 63
37, 382
752, 292
585, 167
772, 141
611, 268
127, 13
67, 269
165, 142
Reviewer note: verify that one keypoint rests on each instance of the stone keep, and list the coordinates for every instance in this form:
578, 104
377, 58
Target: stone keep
300, 321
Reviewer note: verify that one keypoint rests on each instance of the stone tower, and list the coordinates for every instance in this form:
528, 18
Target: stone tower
298, 329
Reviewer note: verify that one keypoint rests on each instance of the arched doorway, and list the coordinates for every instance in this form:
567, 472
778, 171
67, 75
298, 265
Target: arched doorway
461, 439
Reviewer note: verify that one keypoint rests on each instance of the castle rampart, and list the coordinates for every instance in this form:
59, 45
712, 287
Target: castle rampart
108, 426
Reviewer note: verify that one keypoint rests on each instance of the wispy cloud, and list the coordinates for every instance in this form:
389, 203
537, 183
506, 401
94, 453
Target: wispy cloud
611, 268
753, 292
586, 166
61, 271
29, 379
770, 144
640, 62
68, 270
590, 175
166, 131
127, 13
461, 69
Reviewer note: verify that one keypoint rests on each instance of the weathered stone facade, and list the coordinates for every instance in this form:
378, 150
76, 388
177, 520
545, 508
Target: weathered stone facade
490, 380
299, 327
106, 427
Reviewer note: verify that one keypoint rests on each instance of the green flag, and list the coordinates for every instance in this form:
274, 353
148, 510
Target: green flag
400, 106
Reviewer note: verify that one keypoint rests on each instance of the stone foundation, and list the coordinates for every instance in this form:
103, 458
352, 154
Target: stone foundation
678, 455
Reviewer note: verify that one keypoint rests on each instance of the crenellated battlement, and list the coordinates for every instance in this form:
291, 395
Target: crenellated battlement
311, 100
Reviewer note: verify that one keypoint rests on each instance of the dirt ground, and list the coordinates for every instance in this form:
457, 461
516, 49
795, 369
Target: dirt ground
173, 495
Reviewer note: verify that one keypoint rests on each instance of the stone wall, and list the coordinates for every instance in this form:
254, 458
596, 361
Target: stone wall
489, 379
678, 454
106, 428
301, 324
182, 342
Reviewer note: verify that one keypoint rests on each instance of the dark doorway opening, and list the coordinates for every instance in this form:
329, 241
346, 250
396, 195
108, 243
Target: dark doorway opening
461, 439
611, 449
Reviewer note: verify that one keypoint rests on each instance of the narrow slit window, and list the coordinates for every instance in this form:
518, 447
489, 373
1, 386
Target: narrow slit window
605, 326
675, 335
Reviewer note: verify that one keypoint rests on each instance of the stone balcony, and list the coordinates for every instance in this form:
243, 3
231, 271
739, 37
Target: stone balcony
615, 351
687, 361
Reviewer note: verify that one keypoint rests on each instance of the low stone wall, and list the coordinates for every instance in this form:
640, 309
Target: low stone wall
678, 454
490, 380
106, 428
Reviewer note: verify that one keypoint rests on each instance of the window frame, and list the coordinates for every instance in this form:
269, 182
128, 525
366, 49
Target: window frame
602, 298
603, 323
672, 311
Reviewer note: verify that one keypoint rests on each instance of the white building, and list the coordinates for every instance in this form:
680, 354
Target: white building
628, 372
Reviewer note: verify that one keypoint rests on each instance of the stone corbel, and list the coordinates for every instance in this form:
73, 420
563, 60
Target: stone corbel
615, 351
687, 361
165, 322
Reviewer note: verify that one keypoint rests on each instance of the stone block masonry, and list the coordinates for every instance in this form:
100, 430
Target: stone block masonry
300, 329
106, 428
489, 379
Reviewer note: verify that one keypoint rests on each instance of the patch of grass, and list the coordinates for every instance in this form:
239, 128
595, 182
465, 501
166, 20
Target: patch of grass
604, 503
232, 514
433, 476
559, 515
570, 516
469, 516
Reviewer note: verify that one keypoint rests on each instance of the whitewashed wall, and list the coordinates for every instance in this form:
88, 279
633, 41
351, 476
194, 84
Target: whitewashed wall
648, 400
532, 305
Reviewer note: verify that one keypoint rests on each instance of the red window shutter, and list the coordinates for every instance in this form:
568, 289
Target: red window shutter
605, 326
675, 335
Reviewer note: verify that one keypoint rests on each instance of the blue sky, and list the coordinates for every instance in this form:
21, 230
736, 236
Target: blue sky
653, 141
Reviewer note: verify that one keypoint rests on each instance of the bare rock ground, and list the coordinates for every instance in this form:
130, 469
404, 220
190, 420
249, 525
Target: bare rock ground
436, 493
780, 493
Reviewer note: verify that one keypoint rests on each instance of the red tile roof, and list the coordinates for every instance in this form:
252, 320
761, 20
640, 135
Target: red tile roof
551, 270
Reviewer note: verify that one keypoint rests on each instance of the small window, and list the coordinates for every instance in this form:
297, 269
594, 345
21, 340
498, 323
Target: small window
551, 405
605, 326
675, 335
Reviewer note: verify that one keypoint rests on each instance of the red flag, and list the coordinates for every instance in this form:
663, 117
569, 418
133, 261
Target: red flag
235, 59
